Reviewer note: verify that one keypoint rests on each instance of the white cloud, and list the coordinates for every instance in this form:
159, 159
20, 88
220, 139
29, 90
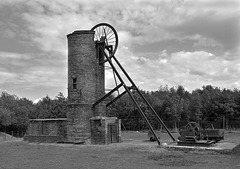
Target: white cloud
201, 54
50, 21
163, 61
205, 42
37, 100
27, 71
190, 69
6, 77
124, 38
11, 55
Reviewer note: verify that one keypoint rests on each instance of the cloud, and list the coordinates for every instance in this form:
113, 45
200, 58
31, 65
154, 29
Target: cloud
29, 71
212, 27
190, 69
176, 21
204, 68
205, 42
6, 76
37, 100
10, 55
190, 43
48, 22
215, 23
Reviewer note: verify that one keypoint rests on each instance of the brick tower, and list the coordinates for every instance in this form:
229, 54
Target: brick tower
86, 84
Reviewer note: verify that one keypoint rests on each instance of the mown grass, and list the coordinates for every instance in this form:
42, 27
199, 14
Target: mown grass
171, 160
126, 155
236, 150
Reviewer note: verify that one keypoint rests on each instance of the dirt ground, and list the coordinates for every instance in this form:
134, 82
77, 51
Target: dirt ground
135, 152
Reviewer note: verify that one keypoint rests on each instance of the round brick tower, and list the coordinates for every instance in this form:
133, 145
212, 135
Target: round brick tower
86, 84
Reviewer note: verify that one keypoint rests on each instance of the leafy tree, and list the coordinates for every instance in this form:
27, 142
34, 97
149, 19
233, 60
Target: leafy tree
59, 107
43, 108
14, 111
185, 114
8, 101
5, 117
195, 107
171, 104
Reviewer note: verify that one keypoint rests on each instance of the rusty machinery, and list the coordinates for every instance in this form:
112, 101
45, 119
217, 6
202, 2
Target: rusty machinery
192, 134
106, 40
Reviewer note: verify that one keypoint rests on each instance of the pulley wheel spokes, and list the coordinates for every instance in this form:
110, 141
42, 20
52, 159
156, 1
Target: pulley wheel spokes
106, 32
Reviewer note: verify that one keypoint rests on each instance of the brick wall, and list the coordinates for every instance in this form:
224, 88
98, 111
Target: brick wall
78, 117
86, 84
82, 66
105, 130
47, 130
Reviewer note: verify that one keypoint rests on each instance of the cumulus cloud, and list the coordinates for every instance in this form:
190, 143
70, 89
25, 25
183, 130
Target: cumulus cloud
190, 69
161, 42
28, 72
49, 21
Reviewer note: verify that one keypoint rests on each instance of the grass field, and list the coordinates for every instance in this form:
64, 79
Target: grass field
135, 152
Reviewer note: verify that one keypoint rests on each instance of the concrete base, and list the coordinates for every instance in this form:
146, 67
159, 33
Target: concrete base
200, 143
221, 146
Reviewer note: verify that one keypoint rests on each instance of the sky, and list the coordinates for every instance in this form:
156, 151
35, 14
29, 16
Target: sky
161, 42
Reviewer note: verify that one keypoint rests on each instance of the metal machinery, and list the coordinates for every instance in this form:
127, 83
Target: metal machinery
106, 40
193, 134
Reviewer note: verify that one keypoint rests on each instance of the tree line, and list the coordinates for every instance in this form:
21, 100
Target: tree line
173, 104
16, 112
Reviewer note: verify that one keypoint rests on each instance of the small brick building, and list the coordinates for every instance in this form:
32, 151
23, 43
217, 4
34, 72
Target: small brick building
105, 130
47, 130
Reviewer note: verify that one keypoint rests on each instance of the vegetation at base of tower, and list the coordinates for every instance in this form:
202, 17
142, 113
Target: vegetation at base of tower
171, 104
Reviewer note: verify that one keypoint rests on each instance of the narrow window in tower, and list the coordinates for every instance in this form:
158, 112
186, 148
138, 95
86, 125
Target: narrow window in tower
74, 80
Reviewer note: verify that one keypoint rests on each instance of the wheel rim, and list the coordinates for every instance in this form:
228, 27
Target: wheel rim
106, 30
